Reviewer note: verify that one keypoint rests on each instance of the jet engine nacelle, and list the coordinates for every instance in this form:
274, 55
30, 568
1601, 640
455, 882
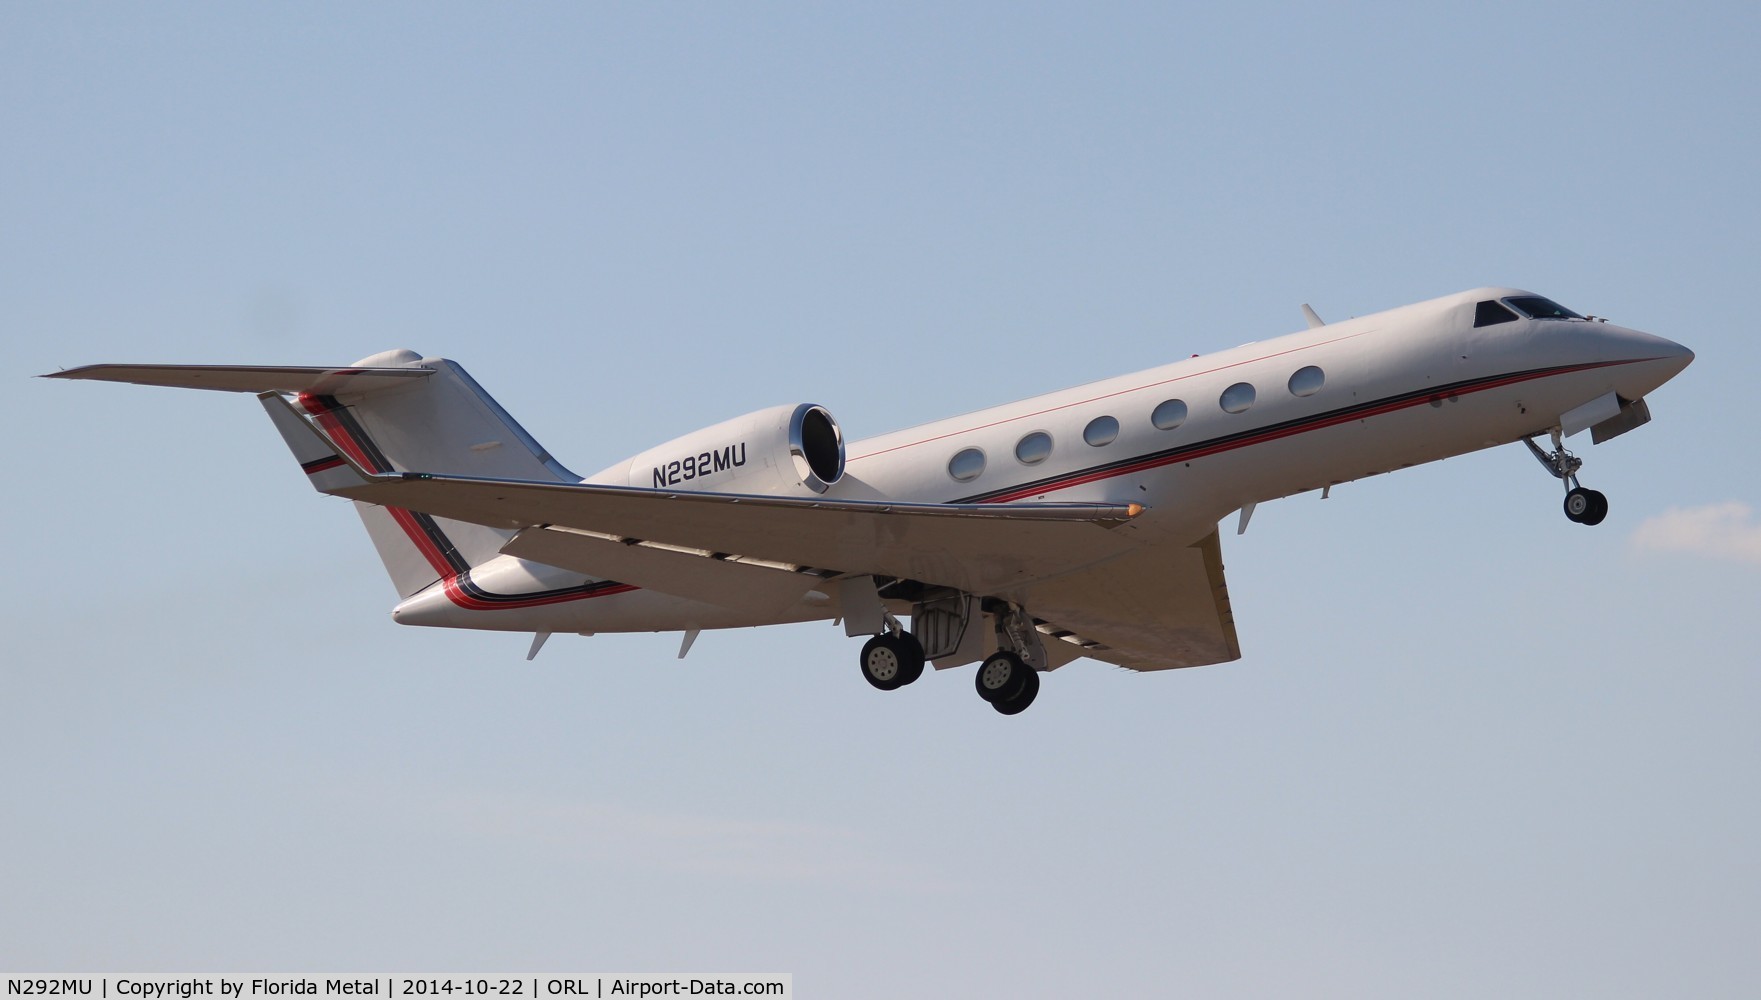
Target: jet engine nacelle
780, 451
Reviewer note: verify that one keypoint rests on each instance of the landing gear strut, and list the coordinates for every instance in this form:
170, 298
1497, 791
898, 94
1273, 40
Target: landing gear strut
1583, 506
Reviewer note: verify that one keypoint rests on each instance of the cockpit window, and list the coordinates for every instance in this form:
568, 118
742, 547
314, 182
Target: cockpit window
1536, 307
1489, 313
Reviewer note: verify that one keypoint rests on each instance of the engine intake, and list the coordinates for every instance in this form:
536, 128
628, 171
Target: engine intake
817, 447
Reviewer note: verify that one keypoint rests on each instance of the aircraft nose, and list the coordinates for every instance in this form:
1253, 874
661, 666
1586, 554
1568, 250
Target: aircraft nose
1680, 354
1667, 352
1650, 360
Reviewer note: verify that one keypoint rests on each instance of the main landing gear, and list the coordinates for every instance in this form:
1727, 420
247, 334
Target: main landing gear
1583, 506
892, 660
1008, 679
1007, 683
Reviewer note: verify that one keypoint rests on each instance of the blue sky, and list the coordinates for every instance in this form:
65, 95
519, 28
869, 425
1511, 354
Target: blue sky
1471, 748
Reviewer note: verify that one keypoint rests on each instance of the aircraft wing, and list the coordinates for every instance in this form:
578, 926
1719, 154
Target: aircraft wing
980, 548
1151, 609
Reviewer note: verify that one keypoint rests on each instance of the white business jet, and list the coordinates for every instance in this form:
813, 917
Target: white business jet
1021, 537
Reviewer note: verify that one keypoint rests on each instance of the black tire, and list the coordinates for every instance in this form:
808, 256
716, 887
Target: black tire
1578, 504
890, 662
1001, 676
1019, 703
1598, 508
913, 651
885, 665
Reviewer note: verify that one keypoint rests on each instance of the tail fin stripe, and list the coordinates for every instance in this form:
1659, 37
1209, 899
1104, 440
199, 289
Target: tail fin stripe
343, 428
426, 534
318, 465
422, 537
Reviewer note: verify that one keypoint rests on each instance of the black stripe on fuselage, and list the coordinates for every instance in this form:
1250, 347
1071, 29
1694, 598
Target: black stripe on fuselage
580, 590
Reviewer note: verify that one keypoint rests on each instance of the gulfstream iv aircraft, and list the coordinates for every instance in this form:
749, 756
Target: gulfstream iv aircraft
1083, 523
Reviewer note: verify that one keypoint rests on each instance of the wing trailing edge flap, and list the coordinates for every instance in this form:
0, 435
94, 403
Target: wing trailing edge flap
1153, 609
984, 549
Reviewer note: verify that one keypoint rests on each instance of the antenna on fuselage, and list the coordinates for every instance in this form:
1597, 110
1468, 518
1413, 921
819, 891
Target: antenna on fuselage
1313, 319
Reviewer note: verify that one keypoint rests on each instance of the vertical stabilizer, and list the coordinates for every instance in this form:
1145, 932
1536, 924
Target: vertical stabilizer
444, 423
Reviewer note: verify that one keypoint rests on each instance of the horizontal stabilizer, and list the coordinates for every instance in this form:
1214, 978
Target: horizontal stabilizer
250, 378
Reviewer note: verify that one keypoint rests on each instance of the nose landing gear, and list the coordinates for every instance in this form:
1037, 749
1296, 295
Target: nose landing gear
1582, 506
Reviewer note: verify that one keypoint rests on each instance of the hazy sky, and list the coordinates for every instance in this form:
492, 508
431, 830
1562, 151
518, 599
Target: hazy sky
1471, 749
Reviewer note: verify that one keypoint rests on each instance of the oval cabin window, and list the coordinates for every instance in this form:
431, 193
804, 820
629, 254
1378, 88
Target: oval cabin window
1101, 431
1171, 413
1237, 398
1307, 381
966, 465
1034, 448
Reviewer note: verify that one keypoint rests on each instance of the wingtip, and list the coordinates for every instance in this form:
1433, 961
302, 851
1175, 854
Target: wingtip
78, 372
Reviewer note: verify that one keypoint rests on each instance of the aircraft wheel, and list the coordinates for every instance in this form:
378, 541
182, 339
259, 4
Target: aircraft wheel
1019, 703
914, 658
1578, 505
1001, 677
892, 661
1598, 507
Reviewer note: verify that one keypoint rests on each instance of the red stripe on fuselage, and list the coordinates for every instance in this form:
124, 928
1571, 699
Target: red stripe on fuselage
456, 593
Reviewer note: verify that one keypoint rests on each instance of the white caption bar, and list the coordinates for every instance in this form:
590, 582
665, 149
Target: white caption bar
501, 986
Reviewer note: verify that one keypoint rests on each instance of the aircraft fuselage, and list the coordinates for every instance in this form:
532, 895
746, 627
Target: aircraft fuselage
1198, 439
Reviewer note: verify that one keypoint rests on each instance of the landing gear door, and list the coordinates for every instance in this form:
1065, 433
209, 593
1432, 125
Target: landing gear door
950, 630
1634, 414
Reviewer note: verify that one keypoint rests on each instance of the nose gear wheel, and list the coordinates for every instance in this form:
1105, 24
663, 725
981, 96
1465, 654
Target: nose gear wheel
1586, 506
